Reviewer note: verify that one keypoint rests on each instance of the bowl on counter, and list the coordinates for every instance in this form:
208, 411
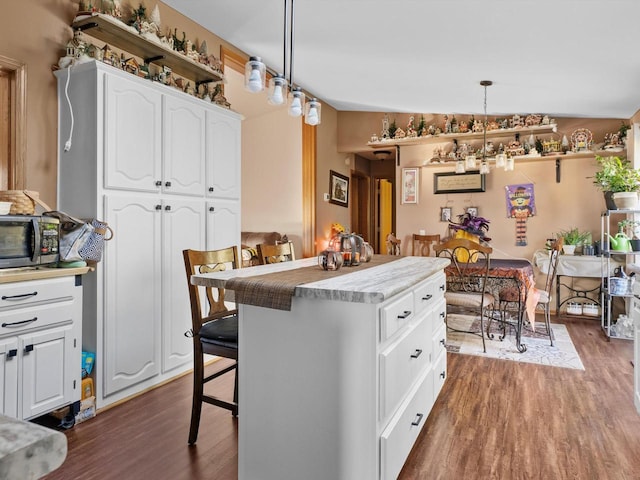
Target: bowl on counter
5, 208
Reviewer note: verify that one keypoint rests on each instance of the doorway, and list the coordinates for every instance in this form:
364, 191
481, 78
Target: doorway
361, 205
384, 211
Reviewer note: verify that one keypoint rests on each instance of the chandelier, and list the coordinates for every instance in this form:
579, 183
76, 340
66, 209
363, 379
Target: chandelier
255, 77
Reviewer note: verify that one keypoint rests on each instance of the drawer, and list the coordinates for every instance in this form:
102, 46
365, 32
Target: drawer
396, 315
439, 373
20, 294
401, 364
427, 293
398, 437
439, 341
17, 321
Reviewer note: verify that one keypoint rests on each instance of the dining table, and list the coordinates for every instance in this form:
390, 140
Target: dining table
511, 273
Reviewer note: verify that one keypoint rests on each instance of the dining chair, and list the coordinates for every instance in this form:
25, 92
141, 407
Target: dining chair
214, 329
509, 298
281, 252
393, 245
467, 279
422, 244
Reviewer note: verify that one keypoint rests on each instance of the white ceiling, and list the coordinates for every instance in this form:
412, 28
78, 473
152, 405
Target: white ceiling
557, 57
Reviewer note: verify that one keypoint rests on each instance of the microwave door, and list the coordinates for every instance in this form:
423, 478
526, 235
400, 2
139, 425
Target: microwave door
35, 253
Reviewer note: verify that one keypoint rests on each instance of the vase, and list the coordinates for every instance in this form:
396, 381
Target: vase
462, 255
568, 249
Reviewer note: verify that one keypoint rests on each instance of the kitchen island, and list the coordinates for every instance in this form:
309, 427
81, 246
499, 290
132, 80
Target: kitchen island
339, 386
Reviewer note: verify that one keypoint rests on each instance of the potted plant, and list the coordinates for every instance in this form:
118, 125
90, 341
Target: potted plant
571, 239
632, 229
619, 181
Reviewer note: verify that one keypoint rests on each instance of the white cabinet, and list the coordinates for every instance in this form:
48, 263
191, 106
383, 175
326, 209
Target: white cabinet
163, 169
40, 350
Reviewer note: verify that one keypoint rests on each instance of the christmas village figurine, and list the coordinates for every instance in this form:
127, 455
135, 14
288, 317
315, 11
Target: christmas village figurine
411, 131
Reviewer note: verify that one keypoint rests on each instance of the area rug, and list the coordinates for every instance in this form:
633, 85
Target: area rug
562, 354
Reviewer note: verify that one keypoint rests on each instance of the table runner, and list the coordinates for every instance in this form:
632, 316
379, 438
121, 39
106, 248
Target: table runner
275, 290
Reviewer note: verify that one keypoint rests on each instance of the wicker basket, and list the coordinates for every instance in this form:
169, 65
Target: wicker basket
23, 202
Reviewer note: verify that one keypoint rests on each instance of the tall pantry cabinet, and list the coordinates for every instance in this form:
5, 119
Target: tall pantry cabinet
162, 168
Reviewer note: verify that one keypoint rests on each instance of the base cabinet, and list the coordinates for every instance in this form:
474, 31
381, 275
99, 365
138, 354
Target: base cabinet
40, 348
163, 169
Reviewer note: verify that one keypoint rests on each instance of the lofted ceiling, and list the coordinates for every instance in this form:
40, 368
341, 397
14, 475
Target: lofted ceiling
558, 57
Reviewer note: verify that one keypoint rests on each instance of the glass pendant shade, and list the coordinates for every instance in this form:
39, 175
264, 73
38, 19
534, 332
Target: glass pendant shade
296, 102
254, 75
484, 167
277, 90
460, 166
312, 112
509, 165
470, 162
501, 160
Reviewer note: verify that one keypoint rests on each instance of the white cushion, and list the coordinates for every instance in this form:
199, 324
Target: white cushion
468, 299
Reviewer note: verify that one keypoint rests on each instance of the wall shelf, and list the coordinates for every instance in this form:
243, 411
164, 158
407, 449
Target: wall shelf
117, 34
529, 158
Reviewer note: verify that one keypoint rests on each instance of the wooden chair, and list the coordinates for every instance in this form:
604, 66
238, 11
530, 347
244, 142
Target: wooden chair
215, 333
467, 279
509, 298
281, 252
393, 245
422, 244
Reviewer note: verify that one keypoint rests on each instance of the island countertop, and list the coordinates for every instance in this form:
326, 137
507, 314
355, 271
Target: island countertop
371, 285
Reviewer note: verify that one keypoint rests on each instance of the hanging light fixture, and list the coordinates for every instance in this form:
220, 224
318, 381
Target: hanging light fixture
484, 165
254, 75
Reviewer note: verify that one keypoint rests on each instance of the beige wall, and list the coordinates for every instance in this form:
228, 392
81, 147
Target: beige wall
572, 202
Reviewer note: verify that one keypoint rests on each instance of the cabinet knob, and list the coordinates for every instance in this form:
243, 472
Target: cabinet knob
211, 189
167, 184
158, 183
158, 207
167, 207
211, 209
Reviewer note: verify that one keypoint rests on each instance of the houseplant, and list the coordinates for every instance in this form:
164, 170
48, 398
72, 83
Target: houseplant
632, 229
616, 175
571, 239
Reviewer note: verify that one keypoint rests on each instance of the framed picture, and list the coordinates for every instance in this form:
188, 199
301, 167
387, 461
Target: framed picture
445, 214
338, 188
410, 183
450, 182
473, 211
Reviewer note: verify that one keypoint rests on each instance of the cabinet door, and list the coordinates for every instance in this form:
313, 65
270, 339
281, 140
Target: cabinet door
132, 141
183, 147
132, 293
48, 361
223, 155
9, 377
223, 225
183, 226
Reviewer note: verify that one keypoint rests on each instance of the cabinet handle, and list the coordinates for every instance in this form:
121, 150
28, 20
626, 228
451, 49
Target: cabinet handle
442, 287
211, 209
443, 315
158, 183
417, 353
28, 348
427, 297
167, 184
167, 207
405, 314
12, 353
19, 297
443, 374
442, 342
17, 324
158, 207
211, 189
418, 419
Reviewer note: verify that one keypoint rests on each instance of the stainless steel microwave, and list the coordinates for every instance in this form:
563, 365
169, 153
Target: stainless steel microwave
28, 240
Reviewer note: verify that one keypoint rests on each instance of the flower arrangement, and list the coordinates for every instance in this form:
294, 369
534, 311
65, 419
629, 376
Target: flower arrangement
472, 224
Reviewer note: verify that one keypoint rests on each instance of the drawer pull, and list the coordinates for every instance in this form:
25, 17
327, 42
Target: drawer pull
19, 297
417, 353
17, 324
405, 314
28, 348
443, 374
427, 297
12, 353
443, 315
418, 419
442, 287
442, 342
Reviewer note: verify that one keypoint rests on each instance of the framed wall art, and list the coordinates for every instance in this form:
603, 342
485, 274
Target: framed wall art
450, 182
445, 214
338, 189
410, 184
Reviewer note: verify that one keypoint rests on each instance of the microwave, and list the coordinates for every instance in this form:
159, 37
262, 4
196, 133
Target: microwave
28, 240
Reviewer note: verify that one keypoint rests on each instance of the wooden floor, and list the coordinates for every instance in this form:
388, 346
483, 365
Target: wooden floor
493, 420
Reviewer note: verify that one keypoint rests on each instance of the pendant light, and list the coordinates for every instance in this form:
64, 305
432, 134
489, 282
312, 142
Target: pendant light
254, 75
484, 165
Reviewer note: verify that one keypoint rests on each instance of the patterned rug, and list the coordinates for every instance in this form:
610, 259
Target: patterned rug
562, 354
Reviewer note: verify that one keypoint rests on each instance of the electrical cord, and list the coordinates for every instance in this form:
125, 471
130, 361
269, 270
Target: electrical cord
67, 145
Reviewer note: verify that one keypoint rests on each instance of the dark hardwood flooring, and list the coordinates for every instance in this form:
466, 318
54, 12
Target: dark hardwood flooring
493, 420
